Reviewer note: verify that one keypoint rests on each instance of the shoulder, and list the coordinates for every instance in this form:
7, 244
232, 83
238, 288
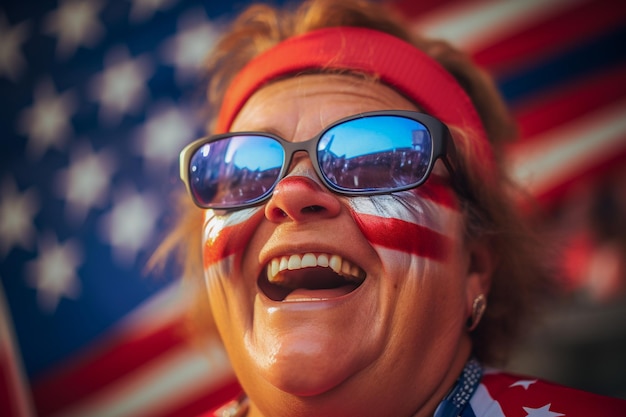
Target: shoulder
501, 394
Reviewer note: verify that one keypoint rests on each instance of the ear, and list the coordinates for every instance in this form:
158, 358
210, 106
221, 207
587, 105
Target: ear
480, 268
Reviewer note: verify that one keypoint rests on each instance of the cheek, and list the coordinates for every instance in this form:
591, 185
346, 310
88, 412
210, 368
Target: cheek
422, 224
226, 236
417, 237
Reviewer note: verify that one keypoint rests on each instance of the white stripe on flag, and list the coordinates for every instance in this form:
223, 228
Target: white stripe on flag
472, 26
178, 377
169, 305
548, 160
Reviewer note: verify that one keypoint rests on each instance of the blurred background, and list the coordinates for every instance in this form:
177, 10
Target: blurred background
98, 97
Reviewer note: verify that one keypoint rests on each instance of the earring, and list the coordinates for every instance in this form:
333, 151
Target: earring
478, 309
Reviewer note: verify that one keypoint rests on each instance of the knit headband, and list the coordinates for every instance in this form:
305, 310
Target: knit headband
395, 62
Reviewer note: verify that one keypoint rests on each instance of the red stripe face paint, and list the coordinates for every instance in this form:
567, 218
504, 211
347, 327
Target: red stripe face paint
420, 222
228, 234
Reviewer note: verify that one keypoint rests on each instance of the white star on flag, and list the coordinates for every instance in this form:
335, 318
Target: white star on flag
47, 123
523, 383
187, 50
12, 62
130, 224
16, 217
85, 183
122, 87
541, 412
143, 10
75, 24
165, 133
53, 273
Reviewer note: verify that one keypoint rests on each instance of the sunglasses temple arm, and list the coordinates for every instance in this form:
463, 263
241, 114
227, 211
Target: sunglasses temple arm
451, 162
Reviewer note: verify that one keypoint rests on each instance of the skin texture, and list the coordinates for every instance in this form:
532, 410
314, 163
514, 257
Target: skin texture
396, 344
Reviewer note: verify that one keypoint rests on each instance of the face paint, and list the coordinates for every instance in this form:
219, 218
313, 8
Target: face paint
228, 234
416, 222
412, 299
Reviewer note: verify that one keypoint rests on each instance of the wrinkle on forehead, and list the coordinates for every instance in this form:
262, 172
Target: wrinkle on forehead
295, 95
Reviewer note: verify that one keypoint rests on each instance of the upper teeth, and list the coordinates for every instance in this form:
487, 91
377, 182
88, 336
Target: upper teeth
341, 266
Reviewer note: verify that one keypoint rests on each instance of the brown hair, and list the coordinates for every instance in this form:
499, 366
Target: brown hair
520, 279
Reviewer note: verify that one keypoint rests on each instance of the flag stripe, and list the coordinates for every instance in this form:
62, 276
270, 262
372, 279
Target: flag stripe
569, 65
585, 146
15, 398
86, 376
209, 401
141, 344
141, 338
549, 36
475, 25
560, 106
179, 376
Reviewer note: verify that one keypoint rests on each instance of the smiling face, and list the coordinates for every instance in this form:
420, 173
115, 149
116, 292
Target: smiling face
333, 305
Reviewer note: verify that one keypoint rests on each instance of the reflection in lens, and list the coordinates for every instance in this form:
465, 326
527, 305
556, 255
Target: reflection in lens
235, 170
375, 153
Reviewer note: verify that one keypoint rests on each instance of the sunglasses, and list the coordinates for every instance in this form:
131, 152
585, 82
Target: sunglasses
366, 154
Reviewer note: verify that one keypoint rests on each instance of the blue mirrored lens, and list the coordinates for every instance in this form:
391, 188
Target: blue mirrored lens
235, 170
375, 153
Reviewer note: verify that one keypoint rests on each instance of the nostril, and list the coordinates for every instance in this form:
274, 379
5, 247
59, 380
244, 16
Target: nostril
312, 209
279, 212
301, 199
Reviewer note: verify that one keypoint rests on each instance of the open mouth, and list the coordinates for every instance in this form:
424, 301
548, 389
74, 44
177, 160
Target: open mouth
310, 277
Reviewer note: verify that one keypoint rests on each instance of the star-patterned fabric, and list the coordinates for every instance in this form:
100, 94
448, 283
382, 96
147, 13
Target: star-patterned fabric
502, 394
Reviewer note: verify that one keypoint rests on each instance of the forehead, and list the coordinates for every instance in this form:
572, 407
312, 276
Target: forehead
320, 98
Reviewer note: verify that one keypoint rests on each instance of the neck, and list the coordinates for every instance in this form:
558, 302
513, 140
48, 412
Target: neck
305, 406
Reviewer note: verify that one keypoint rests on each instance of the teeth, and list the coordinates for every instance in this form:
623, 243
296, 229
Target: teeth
335, 263
341, 266
309, 260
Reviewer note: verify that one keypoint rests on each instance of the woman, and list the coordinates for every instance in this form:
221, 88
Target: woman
360, 246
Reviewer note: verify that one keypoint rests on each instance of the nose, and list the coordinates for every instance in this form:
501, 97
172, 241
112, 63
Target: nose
301, 197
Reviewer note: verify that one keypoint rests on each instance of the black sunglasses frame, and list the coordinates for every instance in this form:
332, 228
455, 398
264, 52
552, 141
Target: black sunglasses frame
442, 148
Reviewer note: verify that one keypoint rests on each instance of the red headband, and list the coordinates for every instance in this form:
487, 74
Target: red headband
397, 63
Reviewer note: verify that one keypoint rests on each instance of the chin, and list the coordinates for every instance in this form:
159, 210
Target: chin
309, 369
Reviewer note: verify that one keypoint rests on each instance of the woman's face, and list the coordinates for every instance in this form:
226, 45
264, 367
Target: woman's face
387, 335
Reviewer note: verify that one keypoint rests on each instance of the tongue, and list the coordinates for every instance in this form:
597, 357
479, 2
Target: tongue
305, 294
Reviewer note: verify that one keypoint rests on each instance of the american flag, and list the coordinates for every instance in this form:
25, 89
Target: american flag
97, 100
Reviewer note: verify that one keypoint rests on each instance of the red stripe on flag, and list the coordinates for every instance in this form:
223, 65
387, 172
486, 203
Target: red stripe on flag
569, 27
544, 112
15, 398
404, 236
96, 369
599, 169
8, 404
211, 400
